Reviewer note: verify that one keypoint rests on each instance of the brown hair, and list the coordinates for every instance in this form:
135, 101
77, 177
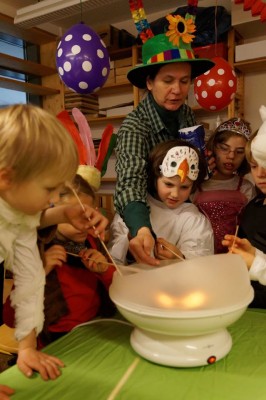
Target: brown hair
156, 158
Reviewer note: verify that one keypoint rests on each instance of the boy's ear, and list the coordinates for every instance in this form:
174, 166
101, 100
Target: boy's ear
6, 178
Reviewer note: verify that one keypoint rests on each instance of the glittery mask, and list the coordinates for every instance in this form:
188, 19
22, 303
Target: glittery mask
182, 161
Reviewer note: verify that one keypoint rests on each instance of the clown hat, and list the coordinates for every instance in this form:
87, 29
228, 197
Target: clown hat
258, 144
172, 46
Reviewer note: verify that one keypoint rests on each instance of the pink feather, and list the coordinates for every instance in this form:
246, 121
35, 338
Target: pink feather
86, 135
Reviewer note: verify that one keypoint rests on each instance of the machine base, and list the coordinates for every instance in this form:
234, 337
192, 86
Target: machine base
181, 351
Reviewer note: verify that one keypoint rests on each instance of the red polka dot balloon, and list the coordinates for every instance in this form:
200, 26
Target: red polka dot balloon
216, 88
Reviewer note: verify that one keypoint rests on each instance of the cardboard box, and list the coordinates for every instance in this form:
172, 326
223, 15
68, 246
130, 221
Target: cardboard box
250, 51
123, 62
212, 50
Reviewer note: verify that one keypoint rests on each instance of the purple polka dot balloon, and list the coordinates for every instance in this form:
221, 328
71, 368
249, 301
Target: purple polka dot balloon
82, 59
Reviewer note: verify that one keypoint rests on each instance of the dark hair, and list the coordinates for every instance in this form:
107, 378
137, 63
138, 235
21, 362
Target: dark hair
221, 137
156, 158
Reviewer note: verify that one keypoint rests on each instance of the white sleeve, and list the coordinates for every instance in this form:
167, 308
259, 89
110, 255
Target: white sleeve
27, 298
257, 270
118, 243
196, 238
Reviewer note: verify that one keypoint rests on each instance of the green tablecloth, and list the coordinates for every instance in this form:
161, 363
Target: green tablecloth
101, 365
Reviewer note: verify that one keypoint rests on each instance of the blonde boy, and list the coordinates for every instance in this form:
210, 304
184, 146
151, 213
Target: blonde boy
37, 156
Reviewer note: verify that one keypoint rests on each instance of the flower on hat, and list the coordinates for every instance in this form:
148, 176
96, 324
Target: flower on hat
180, 28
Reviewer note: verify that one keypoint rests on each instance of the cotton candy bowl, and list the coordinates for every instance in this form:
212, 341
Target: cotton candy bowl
181, 312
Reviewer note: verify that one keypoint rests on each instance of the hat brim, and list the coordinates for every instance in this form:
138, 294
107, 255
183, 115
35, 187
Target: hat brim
138, 75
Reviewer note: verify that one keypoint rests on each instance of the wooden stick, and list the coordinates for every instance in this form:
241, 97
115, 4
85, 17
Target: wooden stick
97, 262
102, 242
171, 251
235, 236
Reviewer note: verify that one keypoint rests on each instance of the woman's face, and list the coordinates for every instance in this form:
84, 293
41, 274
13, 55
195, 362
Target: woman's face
171, 85
229, 155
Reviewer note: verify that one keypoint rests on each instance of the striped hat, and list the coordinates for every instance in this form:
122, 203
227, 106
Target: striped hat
172, 46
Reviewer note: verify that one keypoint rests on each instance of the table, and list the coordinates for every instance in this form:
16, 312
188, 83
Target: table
101, 365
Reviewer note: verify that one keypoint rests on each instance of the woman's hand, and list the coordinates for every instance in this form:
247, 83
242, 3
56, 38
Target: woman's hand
166, 250
5, 392
240, 246
142, 246
54, 256
94, 260
30, 360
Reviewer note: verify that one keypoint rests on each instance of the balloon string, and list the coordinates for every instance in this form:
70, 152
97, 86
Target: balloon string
215, 27
81, 11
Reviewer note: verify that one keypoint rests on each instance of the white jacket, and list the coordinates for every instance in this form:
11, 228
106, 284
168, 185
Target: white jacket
19, 251
257, 270
186, 227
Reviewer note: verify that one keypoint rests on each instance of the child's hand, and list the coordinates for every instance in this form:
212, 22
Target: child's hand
92, 220
162, 252
54, 256
30, 359
94, 260
240, 246
5, 391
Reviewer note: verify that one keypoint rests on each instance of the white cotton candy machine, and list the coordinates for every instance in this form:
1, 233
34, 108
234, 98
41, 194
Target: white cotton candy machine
181, 311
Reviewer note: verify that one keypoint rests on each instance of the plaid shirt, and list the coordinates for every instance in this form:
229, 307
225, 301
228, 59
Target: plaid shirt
141, 130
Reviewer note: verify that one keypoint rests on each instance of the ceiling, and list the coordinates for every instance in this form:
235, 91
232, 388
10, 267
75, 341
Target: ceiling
116, 13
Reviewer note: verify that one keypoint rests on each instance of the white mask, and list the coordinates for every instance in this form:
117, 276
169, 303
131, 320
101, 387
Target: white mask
182, 161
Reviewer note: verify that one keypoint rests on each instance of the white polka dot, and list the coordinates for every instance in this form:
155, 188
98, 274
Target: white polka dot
233, 72
231, 83
100, 53
86, 66
83, 85
204, 94
60, 52
59, 44
196, 96
221, 71
102, 42
104, 71
68, 38
75, 49
86, 37
67, 66
211, 82
207, 72
96, 89
232, 96
218, 94
61, 71
199, 82
213, 108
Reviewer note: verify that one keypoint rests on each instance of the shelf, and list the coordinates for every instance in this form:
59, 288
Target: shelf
106, 119
25, 87
113, 88
251, 66
24, 66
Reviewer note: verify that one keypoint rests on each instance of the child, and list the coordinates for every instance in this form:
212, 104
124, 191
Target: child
175, 168
37, 155
223, 196
253, 227
74, 265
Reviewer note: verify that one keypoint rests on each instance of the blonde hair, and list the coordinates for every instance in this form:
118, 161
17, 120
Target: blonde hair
33, 141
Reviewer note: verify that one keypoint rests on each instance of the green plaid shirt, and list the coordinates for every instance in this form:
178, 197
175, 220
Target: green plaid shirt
141, 130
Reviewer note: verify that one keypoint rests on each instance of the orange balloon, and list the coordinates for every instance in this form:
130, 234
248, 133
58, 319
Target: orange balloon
216, 88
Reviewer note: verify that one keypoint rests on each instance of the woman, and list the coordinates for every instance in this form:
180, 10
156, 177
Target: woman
166, 73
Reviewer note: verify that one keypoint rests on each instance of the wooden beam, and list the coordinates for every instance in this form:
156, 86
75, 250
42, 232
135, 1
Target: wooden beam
32, 35
24, 66
25, 87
